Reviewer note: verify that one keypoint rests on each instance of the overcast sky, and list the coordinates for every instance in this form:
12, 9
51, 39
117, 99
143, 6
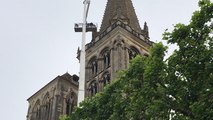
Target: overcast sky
38, 42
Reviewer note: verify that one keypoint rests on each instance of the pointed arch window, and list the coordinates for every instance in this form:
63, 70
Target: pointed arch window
93, 88
106, 59
106, 79
94, 67
46, 107
46, 111
69, 106
133, 52
70, 103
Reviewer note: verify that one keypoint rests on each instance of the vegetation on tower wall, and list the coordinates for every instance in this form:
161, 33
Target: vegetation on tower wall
180, 87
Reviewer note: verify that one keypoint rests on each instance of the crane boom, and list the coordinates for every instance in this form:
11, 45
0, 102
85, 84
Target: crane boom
83, 27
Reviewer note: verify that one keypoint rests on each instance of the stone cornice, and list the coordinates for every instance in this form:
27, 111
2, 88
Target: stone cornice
124, 26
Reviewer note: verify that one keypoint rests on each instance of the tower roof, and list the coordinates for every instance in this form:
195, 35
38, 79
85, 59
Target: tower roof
122, 10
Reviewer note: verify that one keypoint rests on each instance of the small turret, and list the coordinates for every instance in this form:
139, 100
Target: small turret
146, 30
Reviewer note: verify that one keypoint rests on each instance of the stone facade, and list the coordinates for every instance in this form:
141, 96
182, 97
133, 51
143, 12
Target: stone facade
57, 98
106, 56
119, 40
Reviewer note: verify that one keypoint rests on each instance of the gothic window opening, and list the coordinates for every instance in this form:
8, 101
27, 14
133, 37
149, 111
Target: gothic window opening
93, 88
37, 116
133, 52
70, 101
69, 106
106, 79
46, 111
92, 67
106, 59
46, 107
95, 67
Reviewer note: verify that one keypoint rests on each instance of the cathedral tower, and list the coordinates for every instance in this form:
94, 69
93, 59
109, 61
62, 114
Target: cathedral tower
119, 40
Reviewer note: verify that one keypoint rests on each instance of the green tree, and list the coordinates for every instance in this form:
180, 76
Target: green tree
190, 68
152, 88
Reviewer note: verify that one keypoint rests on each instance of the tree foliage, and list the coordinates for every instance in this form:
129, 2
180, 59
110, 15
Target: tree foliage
190, 69
152, 88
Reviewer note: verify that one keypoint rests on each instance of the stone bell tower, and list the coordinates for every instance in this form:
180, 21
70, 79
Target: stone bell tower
119, 39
